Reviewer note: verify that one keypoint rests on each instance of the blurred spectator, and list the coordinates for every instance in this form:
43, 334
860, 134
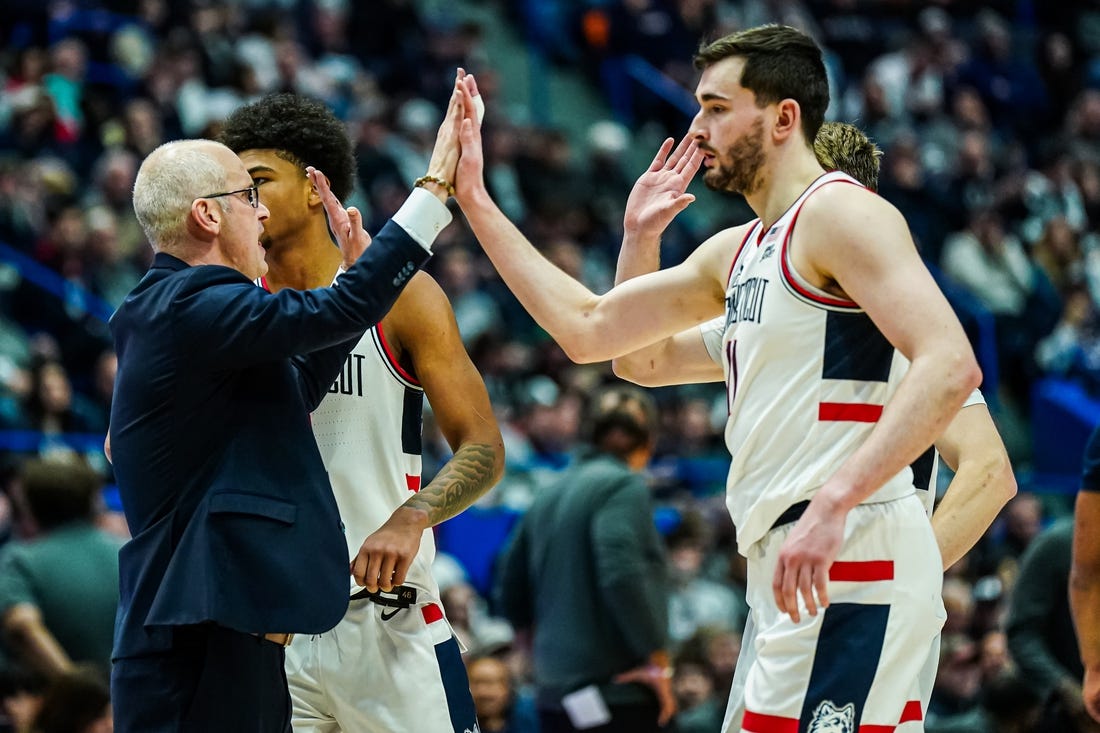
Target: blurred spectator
21, 694
51, 406
48, 624
1072, 349
700, 707
993, 265
1041, 634
695, 601
77, 701
499, 708
477, 631
955, 695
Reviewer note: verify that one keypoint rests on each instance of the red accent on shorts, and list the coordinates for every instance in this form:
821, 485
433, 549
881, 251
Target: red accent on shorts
911, 711
862, 571
760, 723
848, 412
877, 728
413, 482
432, 613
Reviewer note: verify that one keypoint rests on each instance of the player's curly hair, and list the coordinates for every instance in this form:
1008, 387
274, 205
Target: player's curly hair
301, 130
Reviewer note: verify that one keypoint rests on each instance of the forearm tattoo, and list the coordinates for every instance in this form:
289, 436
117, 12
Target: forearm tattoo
468, 475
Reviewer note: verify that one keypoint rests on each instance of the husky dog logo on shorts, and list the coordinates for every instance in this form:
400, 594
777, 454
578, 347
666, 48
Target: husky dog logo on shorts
830, 719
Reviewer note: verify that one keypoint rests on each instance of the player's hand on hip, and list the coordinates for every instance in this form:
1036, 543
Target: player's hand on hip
346, 224
385, 556
805, 558
659, 194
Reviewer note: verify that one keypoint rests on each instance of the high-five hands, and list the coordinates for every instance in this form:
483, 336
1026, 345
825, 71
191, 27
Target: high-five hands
659, 194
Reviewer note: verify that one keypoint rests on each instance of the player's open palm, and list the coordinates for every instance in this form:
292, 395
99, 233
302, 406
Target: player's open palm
659, 194
346, 224
385, 556
805, 559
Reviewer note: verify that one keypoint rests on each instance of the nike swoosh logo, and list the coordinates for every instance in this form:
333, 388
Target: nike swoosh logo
387, 614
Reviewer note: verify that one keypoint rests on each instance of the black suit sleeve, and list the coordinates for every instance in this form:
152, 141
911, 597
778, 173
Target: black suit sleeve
229, 322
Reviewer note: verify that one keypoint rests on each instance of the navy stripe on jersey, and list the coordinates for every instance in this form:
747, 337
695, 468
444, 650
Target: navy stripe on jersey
848, 650
855, 348
412, 422
922, 469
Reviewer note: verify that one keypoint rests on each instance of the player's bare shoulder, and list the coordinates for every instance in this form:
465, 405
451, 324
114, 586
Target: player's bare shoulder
716, 253
846, 233
421, 316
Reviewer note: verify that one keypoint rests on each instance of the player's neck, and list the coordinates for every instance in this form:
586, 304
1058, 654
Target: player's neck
786, 177
308, 260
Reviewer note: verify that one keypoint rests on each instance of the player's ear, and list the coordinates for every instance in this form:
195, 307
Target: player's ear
788, 116
314, 198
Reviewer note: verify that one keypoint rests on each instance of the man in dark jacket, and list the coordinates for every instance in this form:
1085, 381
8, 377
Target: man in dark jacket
586, 571
237, 541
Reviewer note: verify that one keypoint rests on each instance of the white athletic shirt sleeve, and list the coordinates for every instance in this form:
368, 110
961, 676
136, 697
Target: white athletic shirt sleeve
712, 331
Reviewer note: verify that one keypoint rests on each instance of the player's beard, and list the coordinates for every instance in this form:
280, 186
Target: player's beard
746, 156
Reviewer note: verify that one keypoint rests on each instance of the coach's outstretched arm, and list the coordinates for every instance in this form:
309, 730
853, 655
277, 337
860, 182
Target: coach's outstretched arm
588, 327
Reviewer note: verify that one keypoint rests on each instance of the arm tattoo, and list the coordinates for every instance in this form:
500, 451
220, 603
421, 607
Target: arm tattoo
468, 475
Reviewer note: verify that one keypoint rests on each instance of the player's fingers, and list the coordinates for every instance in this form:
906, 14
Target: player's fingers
777, 587
685, 155
821, 585
682, 149
359, 569
806, 588
371, 573
789, 590
662, 155
385, 572
681, 202
400, 571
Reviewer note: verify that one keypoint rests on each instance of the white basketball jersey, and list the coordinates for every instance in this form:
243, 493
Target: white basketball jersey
368, 429
807, 375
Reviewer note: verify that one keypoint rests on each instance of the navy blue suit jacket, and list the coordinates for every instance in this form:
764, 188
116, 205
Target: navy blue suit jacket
229, 505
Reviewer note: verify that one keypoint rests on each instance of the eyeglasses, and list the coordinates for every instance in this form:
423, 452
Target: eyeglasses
252, 195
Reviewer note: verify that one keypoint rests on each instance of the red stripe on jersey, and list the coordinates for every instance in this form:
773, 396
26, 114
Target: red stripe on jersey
733, 262
911, 712
760, 723
391, 359
413, 482
432, 613
877, 728
848, 412
785, 268
863, 571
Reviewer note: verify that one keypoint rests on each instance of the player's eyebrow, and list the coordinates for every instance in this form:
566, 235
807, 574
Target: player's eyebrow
260, 169
713, 97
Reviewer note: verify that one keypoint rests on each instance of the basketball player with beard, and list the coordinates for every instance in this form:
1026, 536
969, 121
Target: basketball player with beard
983, 481
843, 567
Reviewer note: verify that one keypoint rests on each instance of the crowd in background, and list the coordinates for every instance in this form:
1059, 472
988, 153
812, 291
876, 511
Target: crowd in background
989, 116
